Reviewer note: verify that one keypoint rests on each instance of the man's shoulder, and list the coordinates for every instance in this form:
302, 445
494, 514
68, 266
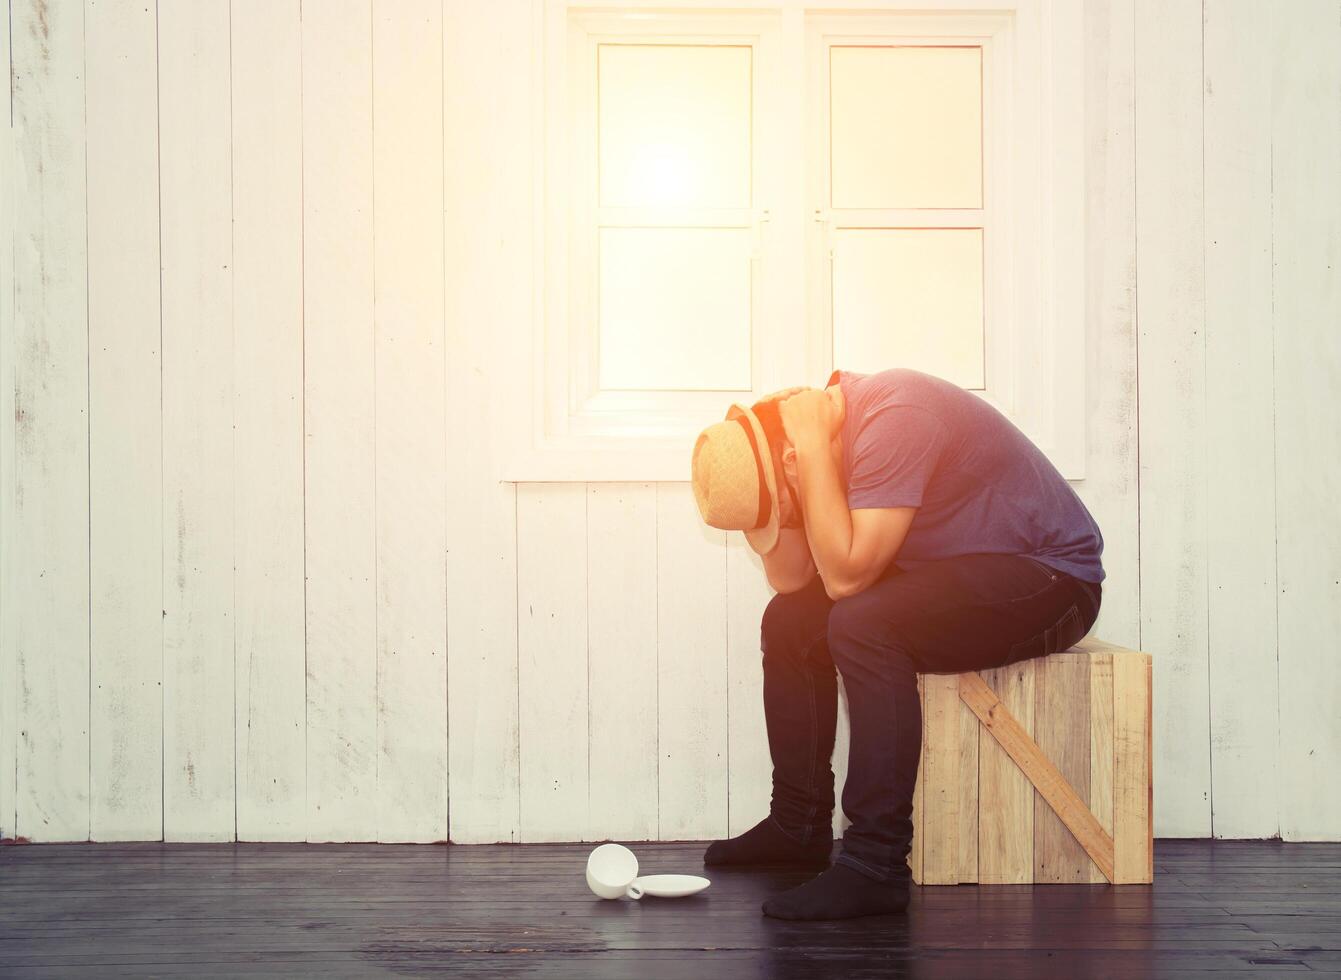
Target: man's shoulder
897, 386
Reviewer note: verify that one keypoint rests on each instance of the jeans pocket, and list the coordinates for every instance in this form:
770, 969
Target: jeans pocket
1046, 581
1048, 571
1061, 635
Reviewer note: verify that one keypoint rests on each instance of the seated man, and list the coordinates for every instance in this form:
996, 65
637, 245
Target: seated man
908, 527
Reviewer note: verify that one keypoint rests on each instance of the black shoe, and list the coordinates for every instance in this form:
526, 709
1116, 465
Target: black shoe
840, 893
767, 844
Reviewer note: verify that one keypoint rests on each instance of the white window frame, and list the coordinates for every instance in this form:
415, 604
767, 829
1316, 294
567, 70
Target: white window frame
560, 429
991, 32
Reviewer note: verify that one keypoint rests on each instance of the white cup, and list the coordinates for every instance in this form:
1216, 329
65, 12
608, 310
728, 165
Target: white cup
611, 870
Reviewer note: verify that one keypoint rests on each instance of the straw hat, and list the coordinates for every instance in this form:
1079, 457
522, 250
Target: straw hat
734, 484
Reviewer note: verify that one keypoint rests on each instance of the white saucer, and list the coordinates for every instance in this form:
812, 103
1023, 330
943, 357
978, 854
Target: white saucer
671, 886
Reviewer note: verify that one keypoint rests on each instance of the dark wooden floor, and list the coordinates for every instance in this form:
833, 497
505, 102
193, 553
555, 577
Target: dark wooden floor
365, 910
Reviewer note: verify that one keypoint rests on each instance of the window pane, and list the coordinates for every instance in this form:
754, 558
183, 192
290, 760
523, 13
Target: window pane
675, 308
909, 298
674, 126
906, 127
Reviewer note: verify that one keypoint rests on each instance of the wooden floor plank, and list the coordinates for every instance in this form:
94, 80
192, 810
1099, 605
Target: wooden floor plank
1217, 908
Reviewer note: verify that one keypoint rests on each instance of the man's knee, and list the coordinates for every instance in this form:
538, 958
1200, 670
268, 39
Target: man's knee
780, 619
848, 626
789, 619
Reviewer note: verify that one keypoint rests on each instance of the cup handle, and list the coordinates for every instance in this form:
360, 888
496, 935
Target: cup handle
635, 890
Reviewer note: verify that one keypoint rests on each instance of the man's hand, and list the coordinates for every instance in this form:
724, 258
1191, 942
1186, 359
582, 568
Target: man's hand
809, 418
789, 565
784, 393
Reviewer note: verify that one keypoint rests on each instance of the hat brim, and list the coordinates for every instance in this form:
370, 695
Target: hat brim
761, 539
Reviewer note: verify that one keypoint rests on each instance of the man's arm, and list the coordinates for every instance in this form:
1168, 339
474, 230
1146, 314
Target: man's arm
789, 566
850, 548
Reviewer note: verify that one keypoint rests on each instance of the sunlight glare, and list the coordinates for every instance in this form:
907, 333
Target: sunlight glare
674, 126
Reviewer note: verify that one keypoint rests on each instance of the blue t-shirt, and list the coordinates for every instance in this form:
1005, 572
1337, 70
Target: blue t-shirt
980, 485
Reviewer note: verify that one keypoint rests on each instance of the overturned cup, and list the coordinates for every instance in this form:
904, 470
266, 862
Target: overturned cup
611, 870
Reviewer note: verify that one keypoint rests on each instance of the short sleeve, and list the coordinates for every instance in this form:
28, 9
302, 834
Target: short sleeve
894, 454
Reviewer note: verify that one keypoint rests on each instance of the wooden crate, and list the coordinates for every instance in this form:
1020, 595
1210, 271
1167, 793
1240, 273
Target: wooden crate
1038, 772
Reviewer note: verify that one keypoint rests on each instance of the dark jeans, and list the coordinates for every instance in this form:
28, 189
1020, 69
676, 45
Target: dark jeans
971, 612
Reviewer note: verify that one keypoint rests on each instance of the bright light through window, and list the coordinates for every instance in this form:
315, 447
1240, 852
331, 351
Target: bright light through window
907, 127
674, 125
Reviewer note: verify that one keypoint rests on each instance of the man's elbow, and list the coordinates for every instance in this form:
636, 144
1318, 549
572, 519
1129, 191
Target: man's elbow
849, 582
793, 584
842, 588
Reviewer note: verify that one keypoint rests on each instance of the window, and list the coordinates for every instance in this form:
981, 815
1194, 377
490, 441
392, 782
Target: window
672, 221
906, 199
737, 202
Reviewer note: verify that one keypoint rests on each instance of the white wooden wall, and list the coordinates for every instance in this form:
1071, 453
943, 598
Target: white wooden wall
254, 585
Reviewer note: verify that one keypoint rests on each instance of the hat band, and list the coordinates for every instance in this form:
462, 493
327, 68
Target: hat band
759, 469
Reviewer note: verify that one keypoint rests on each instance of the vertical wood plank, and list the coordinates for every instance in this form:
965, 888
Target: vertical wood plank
1173, 472
482, 545
50, 536
552, 666
1110, 488
489, 158
125, 426
410, 443
1006, 797
917, 847
8, 569
622, 659
968, 794
1132, 818
691, 669
1150, 761
1101, 746
338, 413
198, 536
268, 410
750, 780
1062, 731
1306, 242
1241, 555
940, 779
841, 741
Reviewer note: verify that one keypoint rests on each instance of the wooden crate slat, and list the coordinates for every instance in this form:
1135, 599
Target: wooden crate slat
1006, 799
919, 832
968, 793
1101, 747
1132, 811
1062, 732
940, 778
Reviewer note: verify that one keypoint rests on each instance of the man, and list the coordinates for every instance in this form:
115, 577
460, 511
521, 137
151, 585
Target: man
908, 527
